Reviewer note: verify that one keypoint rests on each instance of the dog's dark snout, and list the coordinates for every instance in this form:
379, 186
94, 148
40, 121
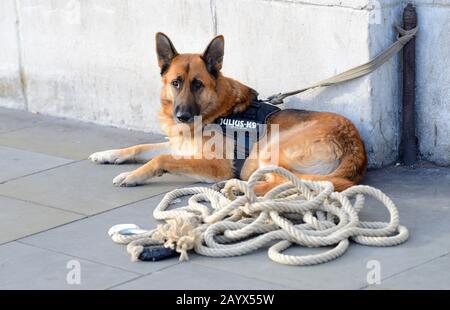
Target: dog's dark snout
185, 113
184, 116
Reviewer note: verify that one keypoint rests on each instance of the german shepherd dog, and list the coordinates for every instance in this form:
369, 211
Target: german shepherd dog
312, 145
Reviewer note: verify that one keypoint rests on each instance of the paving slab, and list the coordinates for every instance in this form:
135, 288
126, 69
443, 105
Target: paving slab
428, 225
88, 238
12, 119
429, 239
27, 267
84, 187
20, 218
186, 276
15, 163
350, 270
433, 275
426, 185
74, 139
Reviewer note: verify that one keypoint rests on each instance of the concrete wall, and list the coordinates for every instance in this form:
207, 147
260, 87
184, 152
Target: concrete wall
433, 80
11, 92
95, 60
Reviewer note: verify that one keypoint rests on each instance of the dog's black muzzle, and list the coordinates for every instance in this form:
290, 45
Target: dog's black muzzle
184, 113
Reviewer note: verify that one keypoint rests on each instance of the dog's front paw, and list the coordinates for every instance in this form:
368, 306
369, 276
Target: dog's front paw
108, 157
128, 179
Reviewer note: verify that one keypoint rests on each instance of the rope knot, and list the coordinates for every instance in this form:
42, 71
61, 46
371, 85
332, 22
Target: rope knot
246, 208
180, 234
185, 244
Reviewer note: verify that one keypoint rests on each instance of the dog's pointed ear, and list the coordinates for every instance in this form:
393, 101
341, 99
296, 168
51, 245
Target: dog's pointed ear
213, 55
165, 51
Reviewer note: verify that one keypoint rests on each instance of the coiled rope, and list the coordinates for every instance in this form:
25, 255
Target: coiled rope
237, 222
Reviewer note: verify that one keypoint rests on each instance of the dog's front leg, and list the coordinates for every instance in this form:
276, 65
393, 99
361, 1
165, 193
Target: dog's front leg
137, 153
207, 170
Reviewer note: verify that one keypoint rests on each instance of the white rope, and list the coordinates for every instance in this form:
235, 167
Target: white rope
300, 212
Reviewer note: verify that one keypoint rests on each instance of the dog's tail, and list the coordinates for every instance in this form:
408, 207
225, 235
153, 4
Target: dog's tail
350, 171
339, 183
273, 180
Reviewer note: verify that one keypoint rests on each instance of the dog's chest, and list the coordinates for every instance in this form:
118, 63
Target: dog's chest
245, 129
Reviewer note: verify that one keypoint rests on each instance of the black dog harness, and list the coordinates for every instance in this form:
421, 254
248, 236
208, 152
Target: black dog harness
246, 128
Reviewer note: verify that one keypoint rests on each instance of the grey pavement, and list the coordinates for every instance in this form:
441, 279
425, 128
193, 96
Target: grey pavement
56, 208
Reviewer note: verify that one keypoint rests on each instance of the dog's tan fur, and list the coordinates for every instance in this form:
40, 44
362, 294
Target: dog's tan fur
313, 145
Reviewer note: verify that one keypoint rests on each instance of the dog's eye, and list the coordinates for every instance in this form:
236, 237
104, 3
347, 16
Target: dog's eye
197, 84
175, 83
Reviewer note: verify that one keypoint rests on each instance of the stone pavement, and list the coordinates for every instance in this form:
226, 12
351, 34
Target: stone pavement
56, 207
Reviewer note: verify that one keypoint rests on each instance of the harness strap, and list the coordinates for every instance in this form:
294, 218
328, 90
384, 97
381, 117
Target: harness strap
246, 128
403, 37
263, 113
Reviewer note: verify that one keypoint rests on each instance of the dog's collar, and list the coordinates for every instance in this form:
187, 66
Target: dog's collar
246, 128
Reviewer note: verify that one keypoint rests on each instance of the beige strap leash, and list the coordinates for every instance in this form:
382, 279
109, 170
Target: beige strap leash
404, 37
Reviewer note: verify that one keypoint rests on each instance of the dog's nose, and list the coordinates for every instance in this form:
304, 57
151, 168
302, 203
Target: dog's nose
184, 116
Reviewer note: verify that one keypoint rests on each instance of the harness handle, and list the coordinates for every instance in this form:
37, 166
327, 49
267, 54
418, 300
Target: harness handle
403, 37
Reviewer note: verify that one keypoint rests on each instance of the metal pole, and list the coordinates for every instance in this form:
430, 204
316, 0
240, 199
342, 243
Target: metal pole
408, 151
